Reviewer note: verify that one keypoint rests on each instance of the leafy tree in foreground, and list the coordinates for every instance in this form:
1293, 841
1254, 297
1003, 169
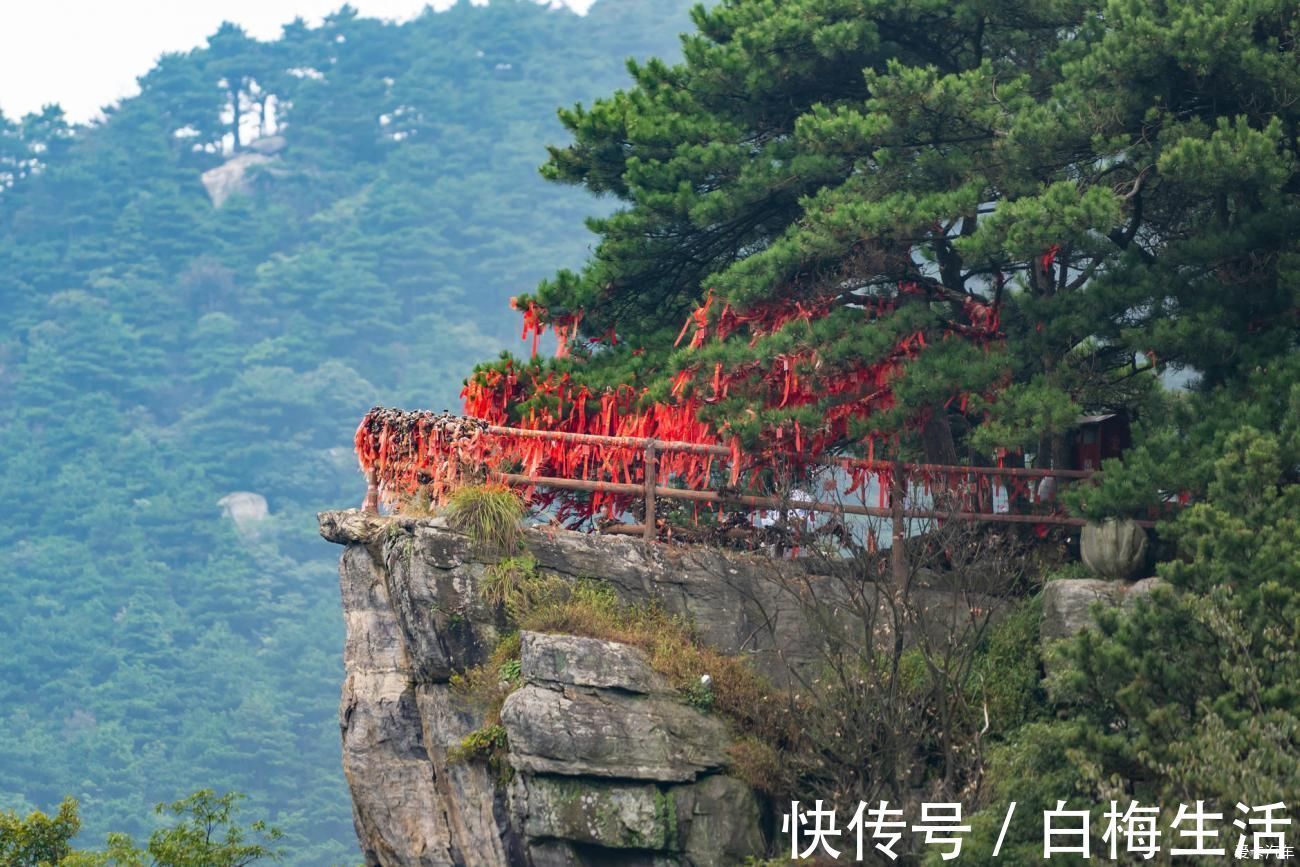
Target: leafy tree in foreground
38, 838
205, 834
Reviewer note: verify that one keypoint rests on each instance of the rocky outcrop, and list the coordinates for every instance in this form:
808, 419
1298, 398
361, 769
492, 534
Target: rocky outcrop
411, 806
610, 765
739, 603
608, 757
568, 660
609, 762
605, 714
712, 822
233, 176
1068, 603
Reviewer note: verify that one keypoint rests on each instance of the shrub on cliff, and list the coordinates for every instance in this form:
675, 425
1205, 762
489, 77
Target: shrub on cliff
489, 514
1190, 695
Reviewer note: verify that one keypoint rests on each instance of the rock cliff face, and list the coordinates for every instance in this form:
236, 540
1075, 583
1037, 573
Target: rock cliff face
611, 766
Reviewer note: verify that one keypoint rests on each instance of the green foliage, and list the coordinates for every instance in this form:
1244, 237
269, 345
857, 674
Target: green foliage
1194, 693
1191, 693
480, 743
510, 671
511, 583
158, 353
203, 833
1117, 178
486, 744
699, 696
489, 514
38, 839
1006, 671
1178, 445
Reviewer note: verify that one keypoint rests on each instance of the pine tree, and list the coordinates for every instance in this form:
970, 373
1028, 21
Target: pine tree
959, 223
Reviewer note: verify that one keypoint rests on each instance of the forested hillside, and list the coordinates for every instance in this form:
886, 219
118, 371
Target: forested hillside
158, 352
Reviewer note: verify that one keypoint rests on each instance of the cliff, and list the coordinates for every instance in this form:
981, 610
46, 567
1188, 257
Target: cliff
610, 764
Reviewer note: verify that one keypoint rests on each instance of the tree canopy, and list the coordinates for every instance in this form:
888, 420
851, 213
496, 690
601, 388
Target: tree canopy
952, 228
204, 833
964, 224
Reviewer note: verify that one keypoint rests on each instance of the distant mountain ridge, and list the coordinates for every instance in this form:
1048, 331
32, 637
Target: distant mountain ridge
159, 353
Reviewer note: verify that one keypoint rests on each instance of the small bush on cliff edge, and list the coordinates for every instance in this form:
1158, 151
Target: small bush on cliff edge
487, 743
489, 514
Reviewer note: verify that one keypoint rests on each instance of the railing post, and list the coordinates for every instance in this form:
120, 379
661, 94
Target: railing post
650, 482
370, 505
897, 552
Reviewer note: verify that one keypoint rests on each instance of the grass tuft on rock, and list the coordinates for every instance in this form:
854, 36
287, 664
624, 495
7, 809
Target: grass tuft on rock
490, 515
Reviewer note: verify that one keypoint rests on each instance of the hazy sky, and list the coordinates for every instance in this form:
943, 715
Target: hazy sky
84, 54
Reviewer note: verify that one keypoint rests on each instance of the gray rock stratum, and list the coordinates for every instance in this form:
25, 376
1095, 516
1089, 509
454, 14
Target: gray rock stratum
610, 764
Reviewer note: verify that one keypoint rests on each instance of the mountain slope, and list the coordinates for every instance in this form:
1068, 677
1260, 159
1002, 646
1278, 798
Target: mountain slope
158, 353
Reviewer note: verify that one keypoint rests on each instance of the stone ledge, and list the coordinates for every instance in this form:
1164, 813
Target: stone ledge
578, 731
569, 660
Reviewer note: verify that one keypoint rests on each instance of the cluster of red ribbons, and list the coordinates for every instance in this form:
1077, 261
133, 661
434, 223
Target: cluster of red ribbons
438, 452
945, 489
802, 378
409, 450
571, 407
537, 320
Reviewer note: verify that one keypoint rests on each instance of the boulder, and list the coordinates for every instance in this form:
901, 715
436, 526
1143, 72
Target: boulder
610, 815
710, 823
718, 818
1067, 604
612, 734
231, 177
568, 660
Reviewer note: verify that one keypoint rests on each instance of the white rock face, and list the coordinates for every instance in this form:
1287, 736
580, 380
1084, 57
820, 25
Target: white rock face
271, 144
245, 508
230, 177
